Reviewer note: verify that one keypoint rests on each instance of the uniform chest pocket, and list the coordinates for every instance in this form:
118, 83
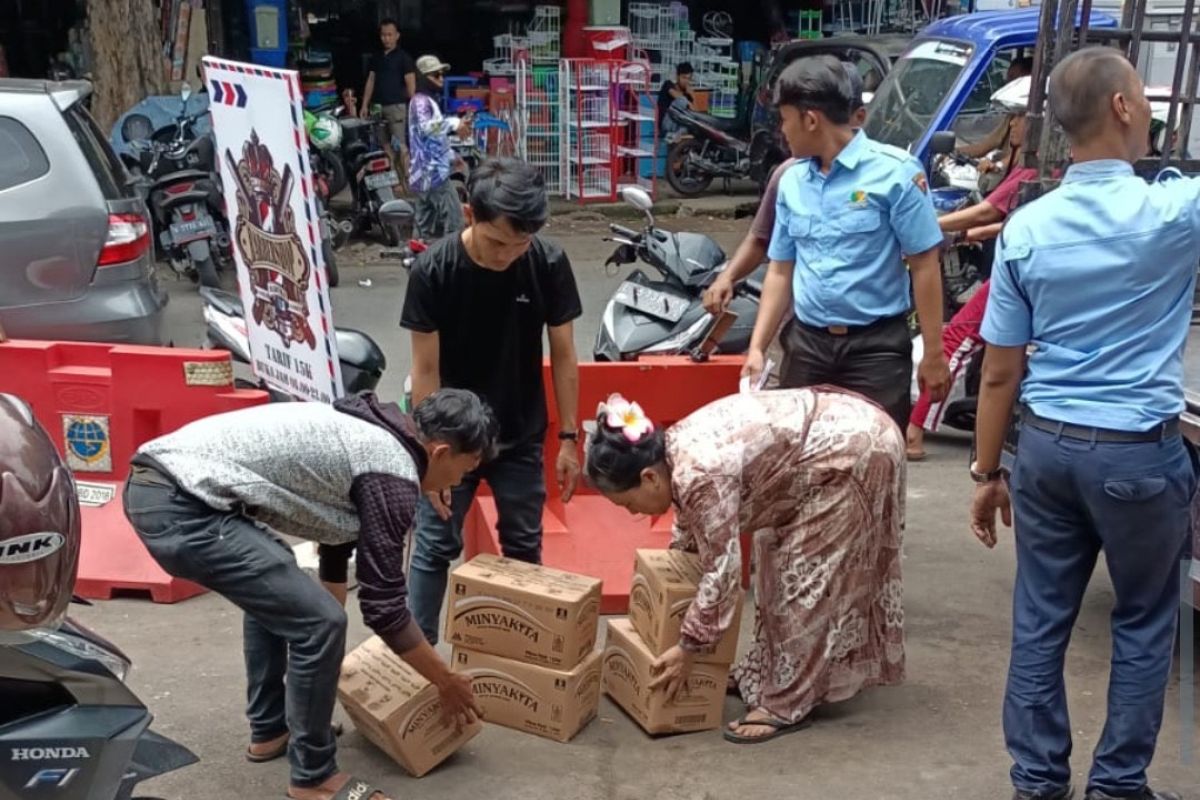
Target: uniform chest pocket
799, 226
861, 221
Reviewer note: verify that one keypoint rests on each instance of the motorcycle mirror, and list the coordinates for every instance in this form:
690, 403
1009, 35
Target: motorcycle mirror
942, 143
637, 197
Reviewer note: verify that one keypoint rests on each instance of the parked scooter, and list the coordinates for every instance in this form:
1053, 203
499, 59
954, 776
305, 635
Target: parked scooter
362, 361
69, 726
713, 147
666, 316
372, 179
184, 194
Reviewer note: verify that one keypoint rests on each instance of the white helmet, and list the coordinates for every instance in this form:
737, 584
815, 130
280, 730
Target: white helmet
326, 133
1013, 97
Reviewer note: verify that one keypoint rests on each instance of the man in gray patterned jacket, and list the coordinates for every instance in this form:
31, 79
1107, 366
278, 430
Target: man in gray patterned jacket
210, 500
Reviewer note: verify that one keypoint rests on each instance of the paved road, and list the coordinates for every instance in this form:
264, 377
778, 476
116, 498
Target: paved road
935, 738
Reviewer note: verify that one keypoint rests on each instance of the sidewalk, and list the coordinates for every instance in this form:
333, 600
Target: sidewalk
742, 201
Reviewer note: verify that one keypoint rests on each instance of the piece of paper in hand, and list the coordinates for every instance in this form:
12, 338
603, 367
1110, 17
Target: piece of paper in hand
745, 385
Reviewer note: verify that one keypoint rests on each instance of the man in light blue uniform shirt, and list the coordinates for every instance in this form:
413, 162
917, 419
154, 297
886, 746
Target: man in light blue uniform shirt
848, 215
1094, 282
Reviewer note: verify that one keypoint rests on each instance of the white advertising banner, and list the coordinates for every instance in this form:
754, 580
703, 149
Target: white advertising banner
262, 148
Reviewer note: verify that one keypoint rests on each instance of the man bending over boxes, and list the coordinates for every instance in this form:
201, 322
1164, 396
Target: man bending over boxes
209, 499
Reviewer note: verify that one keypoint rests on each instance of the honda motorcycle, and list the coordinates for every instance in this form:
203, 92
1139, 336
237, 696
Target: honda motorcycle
361, 359
70, 728
184, 194
666, 315
372, 179
712, 147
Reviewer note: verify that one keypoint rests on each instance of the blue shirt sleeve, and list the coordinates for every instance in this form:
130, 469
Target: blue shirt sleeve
1008, 320
1185, 191
782, 247
913, 217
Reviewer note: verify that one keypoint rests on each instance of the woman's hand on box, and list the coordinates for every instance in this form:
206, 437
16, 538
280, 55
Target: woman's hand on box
671, 671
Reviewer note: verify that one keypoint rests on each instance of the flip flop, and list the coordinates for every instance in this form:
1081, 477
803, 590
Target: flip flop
355, 789
781, 728
281, 750
916, 456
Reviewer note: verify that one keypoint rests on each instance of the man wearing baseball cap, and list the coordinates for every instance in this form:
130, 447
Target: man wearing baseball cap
438, 209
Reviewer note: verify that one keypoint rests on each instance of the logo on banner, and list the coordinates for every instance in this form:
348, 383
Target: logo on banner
270, 245
86, 440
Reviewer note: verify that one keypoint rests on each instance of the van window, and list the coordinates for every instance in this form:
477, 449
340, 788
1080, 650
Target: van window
96, 149
22, 159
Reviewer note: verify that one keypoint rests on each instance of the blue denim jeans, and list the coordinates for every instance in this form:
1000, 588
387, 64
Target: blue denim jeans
519, 488
293, 629
1072, 500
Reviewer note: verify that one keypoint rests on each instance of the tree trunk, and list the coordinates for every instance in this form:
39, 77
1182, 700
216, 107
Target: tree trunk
127, 62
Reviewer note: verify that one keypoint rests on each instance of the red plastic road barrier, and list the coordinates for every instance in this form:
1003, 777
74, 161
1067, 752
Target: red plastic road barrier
590, 535
100, 402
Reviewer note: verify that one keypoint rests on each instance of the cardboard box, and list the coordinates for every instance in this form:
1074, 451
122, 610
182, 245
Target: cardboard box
397, 709
664, 584
523, 611
626, 678
533, 699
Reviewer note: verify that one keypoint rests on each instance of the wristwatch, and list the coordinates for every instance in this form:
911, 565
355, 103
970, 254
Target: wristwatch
986, 477
568, 436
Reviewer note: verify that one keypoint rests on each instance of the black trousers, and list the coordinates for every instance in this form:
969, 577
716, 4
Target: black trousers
874, 360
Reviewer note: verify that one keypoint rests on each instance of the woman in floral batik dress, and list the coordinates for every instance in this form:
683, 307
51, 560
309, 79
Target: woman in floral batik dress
818, 473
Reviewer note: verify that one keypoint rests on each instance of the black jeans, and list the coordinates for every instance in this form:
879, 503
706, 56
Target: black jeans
519, 488
293, 628
875, 361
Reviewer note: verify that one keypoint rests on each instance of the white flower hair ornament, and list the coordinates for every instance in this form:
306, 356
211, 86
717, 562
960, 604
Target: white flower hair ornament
619, 414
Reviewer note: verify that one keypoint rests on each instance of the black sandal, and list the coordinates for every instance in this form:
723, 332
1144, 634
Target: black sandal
281, 750
354, 789
780, 727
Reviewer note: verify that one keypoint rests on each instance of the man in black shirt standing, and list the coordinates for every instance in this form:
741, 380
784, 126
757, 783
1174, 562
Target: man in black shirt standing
477, 305
391, 82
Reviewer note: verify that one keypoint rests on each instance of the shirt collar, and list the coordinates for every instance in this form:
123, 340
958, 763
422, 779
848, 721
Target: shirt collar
850, 155
1095, 170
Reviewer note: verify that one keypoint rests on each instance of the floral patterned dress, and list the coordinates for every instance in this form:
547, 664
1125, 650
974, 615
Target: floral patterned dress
818, 474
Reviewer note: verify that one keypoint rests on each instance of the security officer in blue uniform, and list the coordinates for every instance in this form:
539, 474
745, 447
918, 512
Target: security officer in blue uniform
1087, 319
848, 215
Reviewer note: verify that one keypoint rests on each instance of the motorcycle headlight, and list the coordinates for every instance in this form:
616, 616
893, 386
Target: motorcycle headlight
113, 662
680, 341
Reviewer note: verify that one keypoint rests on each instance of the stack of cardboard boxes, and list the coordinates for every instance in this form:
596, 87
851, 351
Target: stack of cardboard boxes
526, 635
664, 584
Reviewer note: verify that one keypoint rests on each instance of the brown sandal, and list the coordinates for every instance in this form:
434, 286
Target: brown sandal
281, 750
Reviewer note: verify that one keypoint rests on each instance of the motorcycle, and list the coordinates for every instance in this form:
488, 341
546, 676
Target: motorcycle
178, 176
372, 179
70, 727
362, 361
713, 147
666, 316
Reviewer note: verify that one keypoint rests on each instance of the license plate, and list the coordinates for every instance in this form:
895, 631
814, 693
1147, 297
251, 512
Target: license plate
190, 231
657, 304
379, 180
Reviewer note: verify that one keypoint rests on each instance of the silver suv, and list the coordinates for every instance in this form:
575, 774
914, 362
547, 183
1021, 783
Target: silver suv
76, 247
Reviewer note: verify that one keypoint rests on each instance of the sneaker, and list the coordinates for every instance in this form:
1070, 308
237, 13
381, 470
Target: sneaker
1065, 793
1146, 793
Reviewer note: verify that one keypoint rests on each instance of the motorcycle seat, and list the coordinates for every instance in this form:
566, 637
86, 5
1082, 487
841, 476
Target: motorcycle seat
358, 350
687, 117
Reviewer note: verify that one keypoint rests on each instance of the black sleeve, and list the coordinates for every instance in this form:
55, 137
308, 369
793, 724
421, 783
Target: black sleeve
409, 65
421, 312
562, 295
374, 65
333, 562
386, 506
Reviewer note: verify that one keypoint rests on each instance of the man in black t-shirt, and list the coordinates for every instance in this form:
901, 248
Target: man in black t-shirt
391, 82
675, 93
477, 305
